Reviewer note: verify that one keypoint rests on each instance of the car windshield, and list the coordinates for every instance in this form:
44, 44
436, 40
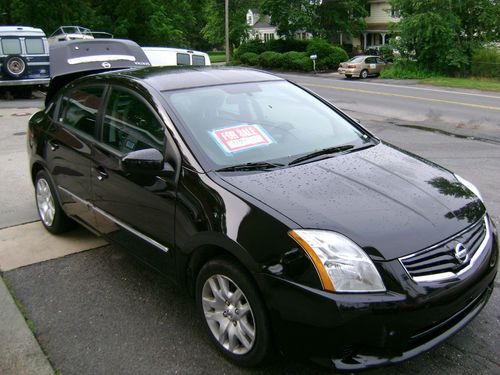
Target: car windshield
357, 59
273, 122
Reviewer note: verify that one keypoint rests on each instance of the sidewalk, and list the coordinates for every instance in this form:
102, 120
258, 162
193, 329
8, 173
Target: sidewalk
21, 245
20, 353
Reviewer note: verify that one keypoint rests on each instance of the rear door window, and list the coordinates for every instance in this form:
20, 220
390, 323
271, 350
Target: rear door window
198, 60
79, 108
130, 124
34, 46
11, 46
370, 60
183, 59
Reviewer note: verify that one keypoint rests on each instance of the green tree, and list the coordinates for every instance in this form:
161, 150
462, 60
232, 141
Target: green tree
442, 35
169, 23
148, 22
49, 15
213, 14
290, 16
346, 16
196, 38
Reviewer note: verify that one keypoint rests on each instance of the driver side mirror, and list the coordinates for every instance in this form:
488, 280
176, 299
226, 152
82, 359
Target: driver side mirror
147, 161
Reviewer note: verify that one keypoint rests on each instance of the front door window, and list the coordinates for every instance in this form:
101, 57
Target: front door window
130, 125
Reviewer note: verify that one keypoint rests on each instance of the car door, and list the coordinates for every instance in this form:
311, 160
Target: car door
381, 64
68, 155
136, 209
371, 63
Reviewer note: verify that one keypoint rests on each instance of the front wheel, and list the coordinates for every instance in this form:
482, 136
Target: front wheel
233, 312
49, 209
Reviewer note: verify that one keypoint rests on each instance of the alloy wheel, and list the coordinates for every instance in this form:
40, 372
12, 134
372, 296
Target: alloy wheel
45, 202
228, 314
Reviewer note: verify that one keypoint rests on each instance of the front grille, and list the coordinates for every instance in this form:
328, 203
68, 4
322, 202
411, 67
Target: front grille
444, 261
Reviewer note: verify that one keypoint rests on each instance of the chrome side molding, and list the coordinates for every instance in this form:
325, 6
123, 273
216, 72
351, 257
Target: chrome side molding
116, 221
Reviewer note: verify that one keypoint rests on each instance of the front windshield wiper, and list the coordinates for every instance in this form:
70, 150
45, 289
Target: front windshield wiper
250, 167
325, 151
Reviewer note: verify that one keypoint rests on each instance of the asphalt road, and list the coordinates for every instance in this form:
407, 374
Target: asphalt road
460, 112
101, 312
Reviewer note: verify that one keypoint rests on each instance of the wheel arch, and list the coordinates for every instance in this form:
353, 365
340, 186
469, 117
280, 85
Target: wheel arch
194, 260
35, 168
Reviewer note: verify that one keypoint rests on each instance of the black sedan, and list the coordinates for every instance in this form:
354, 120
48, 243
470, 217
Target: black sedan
292, 226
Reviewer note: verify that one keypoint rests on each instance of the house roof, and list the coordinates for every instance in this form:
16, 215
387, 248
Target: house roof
263, 23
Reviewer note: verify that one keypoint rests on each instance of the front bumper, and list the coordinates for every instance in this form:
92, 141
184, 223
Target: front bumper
358, 331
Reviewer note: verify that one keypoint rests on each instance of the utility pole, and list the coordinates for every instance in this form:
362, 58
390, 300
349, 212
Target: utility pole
228, 52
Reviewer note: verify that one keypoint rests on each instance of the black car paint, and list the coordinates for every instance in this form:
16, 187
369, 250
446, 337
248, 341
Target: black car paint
365, 194
248, 215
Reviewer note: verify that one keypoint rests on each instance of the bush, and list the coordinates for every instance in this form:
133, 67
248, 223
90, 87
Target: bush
250, 58
386, 52
297, 61
286, 45
275, 45
254, 46
406, 70
329, 56
486, 63
270, 59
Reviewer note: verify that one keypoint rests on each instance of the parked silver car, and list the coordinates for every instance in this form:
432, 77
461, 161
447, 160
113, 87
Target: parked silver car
362, 66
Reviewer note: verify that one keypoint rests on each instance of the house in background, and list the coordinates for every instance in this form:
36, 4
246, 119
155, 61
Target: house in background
380, 15
261, 28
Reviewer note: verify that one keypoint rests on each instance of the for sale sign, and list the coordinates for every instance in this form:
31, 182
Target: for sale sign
241, 137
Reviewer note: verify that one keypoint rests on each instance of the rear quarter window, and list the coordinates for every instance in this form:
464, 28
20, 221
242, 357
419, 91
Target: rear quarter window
34, 46
198, 60
11, 46
183, 59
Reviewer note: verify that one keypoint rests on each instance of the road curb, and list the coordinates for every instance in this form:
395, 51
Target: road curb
20, 353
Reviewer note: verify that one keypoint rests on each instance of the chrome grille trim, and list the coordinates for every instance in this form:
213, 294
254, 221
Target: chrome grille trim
447, 276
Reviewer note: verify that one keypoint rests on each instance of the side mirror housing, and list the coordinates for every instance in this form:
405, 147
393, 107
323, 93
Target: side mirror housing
147, 161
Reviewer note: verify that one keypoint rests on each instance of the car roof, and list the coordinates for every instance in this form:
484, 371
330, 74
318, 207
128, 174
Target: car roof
171, 49
175, 77
21, 31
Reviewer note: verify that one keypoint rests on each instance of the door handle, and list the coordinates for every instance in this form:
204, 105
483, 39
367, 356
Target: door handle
53, 145
101, 173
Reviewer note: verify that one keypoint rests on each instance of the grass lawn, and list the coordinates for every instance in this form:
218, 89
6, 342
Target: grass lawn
217, 56
467, 83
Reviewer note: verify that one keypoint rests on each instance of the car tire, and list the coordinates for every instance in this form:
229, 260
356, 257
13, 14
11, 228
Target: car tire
49, 209
14, 66
363, 74
233, 313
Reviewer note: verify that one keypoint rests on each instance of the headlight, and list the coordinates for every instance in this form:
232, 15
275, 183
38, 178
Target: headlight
469, 185
341, 264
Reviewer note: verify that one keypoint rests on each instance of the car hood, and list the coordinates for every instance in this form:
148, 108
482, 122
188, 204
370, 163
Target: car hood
389, 202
